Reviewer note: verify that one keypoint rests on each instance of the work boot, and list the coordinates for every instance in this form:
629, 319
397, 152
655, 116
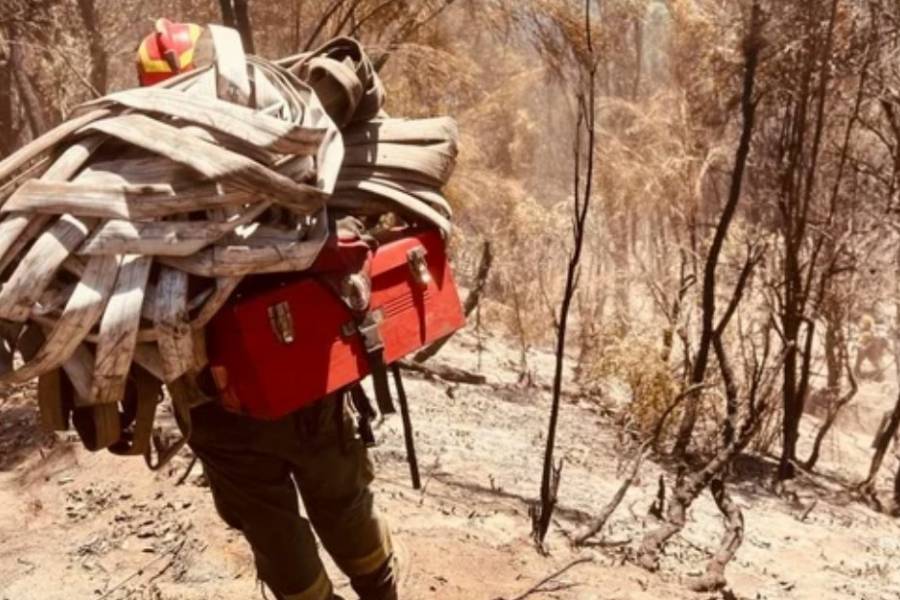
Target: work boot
378, 585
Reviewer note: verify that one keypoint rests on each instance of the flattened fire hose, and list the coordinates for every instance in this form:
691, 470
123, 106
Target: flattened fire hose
125, 228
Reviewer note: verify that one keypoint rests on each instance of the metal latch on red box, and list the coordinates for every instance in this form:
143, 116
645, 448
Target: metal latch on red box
282, 322
419, 266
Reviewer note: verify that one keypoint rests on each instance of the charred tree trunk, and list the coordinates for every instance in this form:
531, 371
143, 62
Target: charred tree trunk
34, 110
895, 510
621, 256
227, 13
687, 488
834, 299
709, 326
895, 338
686, 282
296, 22
236, 13
799, 190
793, 409
638, 27
7, 119
99, 64
242, 17
834, 344
542, 513
714, 579
521, 334
736, 435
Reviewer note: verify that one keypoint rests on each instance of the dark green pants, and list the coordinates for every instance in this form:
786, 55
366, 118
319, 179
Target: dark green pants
255, 469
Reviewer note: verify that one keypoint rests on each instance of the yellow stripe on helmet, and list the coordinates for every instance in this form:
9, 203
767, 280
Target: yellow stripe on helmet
187, 59
151, 65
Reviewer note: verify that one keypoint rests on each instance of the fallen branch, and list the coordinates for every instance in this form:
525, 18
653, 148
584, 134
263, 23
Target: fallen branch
187, 471
536, 588
172, 555
452, 374
594, 527
808, 510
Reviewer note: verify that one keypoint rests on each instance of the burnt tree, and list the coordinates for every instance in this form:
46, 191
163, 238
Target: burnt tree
27, 93
798, 160
542, 512
236, 13
738, 431
7, 117
99, 74
708, 308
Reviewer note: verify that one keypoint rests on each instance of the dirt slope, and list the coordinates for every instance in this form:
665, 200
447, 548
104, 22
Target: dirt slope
75, 525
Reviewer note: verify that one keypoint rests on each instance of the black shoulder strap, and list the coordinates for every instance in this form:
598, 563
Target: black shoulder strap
373, 344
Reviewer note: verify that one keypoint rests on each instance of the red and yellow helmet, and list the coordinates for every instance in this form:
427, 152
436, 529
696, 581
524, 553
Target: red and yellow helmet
167, 51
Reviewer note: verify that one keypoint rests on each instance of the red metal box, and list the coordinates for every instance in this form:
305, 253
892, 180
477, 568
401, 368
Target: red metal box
267, 372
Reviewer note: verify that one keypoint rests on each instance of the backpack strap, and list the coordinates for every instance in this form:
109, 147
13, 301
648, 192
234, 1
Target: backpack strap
369, 331
344, 268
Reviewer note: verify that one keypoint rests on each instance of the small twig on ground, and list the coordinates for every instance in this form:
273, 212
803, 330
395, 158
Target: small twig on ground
536, 588
172, 555
594, 527
809, 509
31, 566
694, 545
452, 374
608, 544
572, 395
428, 477
187, 471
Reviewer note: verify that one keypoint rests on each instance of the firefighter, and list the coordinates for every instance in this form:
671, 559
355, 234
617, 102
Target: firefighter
871, 347
255, 468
